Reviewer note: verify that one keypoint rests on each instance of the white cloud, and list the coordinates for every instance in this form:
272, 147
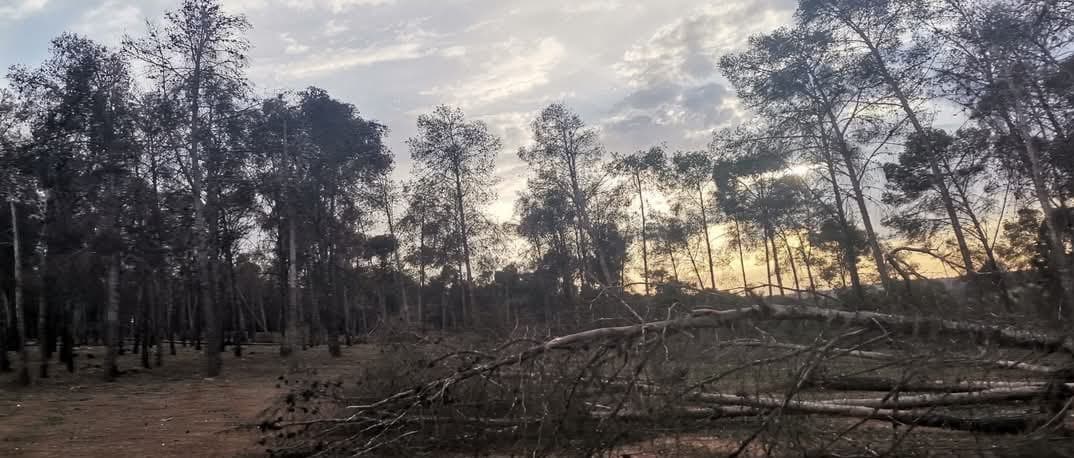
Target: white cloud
336, 6
292, 45
334, 60
109, 21
687, 49
333, 28
18, 9
518, 72
593, 6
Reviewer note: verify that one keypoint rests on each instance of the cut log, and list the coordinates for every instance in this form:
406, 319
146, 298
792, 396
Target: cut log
880, 356
916, 385
996, 395
1002, 335
999, 424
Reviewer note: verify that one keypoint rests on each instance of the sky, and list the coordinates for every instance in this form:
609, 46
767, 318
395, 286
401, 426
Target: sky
643, 72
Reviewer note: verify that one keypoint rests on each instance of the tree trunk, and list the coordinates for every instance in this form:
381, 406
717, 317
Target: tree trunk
644, 236
43, 335
112, 337
465, 237
5, 324
850, 251
794, 269
937, 176
708, 244
405, 311
741, 255
1057, 257
291, 341
20, 311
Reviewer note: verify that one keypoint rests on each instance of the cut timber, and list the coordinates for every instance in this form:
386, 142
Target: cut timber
1013, 424
712, 318
913, 385
1017, 393
1002, 335
880, 356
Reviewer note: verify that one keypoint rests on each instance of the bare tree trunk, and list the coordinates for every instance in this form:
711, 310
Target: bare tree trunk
20, 312
5, 324
708, 244
465, 236
43, 334
794, 269
937, 176
1057, 257
405, 312
771, 236
644, 235
850, 252
291, 341
112, 320
741, 255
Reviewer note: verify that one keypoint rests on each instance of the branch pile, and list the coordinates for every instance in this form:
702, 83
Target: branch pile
594, 390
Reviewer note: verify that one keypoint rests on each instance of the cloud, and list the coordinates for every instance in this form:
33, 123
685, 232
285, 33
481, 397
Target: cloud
109, 21
293, 46
333, 28
520, 70
676, 93
336, 6
593, 6
17, 9
334, 60
687, 48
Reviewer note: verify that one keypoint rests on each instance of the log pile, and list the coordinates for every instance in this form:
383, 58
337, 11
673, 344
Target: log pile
591, 391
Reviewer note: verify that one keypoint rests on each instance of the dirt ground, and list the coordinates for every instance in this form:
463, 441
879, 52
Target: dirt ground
168, 411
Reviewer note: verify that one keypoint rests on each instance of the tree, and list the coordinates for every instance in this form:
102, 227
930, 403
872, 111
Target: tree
462, 155
199, 47
813, 95
567, 151
1001, 62
642, 168
964, 160
688, 175
875, 28
82, 148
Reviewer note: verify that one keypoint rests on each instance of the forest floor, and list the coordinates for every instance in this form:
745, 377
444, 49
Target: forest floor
167, 411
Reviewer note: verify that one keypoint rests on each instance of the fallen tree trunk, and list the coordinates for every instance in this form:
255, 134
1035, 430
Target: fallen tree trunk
880, 356
1002, 335
1000, 424
1017, 393
711, 318
914, 385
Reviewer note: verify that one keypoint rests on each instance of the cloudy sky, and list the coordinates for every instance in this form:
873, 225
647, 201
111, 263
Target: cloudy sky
642, 71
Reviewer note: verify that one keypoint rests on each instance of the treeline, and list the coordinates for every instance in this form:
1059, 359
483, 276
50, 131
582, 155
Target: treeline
151, 196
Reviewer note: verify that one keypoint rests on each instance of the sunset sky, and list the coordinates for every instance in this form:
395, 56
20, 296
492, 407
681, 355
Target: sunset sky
643, 72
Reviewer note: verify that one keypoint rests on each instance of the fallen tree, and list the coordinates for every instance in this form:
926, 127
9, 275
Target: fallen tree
597, 379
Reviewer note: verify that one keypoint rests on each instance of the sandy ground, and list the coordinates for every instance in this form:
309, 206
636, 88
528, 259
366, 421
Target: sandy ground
168, 411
